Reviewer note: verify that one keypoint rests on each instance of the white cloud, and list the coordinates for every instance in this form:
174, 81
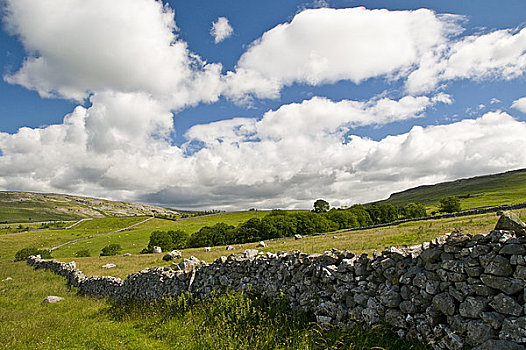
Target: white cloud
289, 157
497, 55
221, 29
77, 47
520, 104
326, 45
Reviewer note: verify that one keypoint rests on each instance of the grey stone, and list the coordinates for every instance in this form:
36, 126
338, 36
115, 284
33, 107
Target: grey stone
493, 344
157, 250
390, 298
511, 222
261, 244
108, 266
514, 329
494, 319
520, 272
50, 299
431, 255
512, 249
250, 253
506, 305
8, 279
229, 247
174, 254
478, 332
499, 266
472, 307
208, 249
507, 285
297, 236
444, 303
126, 254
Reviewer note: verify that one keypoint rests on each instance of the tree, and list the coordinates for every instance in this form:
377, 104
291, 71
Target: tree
449, 204
160, 239
413, 210
110, 250
344, 218
321, 206
179, 239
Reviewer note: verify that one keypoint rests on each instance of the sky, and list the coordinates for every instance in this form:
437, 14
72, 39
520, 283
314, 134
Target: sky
237, 104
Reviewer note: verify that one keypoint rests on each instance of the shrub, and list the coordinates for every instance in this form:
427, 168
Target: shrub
160, 239
82, 253
449, 204
110, 250
179, 239
23, 254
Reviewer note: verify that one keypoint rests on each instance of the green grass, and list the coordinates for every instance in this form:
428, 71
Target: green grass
227, 322
11, 243
489, 190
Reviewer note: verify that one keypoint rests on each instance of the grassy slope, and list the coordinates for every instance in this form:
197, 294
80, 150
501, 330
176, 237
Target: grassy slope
490, 190
31, 207
81, 322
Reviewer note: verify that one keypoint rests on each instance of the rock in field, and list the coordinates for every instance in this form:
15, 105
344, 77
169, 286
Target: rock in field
108, 266
50, 299
174, 254
157, 250
261, 244
510, 222
229, 247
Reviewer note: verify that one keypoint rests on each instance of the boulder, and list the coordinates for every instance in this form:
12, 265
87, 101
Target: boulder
174, 254
157, 250
297, 236
8, 279
207, 249
108, 266
229, 247
510, 222
187, 265
50, 299
261, 244
126, 254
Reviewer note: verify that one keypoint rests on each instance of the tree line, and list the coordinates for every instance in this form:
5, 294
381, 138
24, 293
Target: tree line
281, 223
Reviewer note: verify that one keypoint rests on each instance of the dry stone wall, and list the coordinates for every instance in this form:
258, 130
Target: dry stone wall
456, 291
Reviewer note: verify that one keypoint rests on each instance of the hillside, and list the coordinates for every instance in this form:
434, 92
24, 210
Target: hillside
480, 191
32, 207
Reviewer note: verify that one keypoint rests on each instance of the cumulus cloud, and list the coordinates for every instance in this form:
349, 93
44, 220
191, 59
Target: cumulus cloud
520, 104
77, 47
326, 45
497, 55
221, 29
279, 160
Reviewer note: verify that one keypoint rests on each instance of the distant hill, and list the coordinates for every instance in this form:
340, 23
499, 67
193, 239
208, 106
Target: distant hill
32, 207
480, 191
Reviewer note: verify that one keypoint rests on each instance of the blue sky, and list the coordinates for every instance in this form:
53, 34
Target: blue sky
282, 103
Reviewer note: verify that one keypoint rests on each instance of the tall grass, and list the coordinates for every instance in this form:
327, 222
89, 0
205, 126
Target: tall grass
238, 321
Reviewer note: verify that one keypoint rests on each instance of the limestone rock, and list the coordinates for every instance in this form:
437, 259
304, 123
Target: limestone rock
493, 344
174, 254
108, 266
506, 305
50, 299
157, 250
229, 247
7, 279
510, 222
445, 303
207, 249
261, 244
297, 236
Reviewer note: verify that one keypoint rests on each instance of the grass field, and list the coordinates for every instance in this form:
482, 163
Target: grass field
490, 190
27, 207
228, 322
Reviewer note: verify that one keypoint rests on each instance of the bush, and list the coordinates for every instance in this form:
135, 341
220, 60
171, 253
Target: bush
82, 253
110, 250
179, 239
160, 239
449, 204
23, 254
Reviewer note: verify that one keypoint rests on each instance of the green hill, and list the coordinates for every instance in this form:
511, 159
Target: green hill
480, 191
34, 207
